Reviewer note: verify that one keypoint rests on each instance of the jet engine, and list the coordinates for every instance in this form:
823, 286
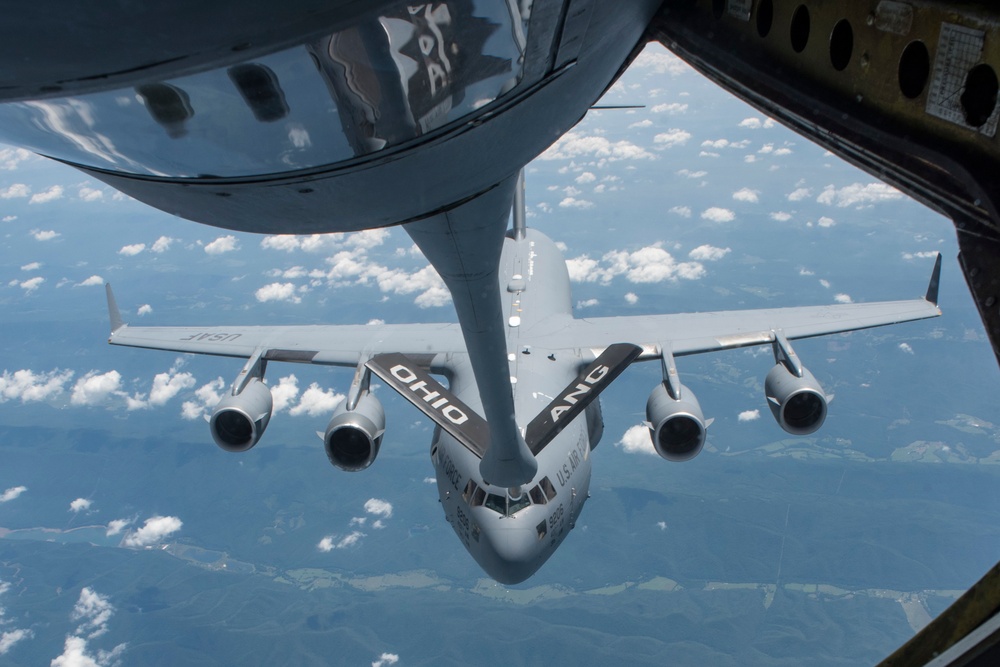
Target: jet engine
353, 437
798, 403
239, 420
676, 426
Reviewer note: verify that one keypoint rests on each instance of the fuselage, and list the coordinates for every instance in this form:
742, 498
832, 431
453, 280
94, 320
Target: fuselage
512, 532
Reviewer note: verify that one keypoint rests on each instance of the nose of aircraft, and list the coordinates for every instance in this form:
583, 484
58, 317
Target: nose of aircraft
515, 549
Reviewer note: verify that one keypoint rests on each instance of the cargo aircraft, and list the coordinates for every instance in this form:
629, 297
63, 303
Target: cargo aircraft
312, 116
513, 488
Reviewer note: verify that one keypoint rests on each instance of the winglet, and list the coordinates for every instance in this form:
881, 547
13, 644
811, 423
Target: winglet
113, 313
932, 287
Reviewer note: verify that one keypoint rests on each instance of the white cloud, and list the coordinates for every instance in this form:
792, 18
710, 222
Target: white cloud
16, 190
683, 211
826, 222
843, 298
716, 143
11, 158
673, 108
631, 298
905, 347
286, 242
747, 195
207, 396
278, 292
749, 415
574, 145
651, 264
572, 202
221, 245
584, 178
781, 216
316, 402
672, 137
379, 507
80, 505
31, 266
659, 61
582, 269
75, 655
701, 173
132, 249
92, 281
588, 303
642, 123
11, 637
90, 194
824, 282
153, 531
858, 194
118, 525
716, 214
708, 253
924, 254
28, 386
783, 151
752, 123
285, 392
799, 194
169, 384
31, 284
53, 193
385, 660
330, 542
93, 611
44, 235
636, 441
12, 493
144, 309
162, 244
94, 388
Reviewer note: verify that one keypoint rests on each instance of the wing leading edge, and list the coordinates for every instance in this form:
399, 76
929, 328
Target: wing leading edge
332, 345
695, 333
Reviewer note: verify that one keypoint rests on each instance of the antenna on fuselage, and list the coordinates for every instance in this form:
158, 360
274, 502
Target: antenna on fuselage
519, 226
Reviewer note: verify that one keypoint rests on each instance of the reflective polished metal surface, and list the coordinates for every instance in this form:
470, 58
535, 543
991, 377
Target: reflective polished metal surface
380, 83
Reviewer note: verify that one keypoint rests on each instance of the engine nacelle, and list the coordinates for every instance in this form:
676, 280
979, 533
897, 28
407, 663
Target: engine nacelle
238, 421
676, 427
797, 403
353, 437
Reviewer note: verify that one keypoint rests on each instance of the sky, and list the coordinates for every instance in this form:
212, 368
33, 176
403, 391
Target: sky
694, 202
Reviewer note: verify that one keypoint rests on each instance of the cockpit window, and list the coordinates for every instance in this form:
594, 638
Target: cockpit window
383, 81
470, 490
537, 497
547, 488
478, 498
514, 505
497, 503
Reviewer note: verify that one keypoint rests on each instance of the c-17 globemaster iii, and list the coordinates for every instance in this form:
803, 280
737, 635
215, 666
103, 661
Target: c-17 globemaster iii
557, 366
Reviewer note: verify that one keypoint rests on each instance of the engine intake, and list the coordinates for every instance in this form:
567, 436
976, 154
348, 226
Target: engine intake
797, 403
238, 421
353, 437
676, 427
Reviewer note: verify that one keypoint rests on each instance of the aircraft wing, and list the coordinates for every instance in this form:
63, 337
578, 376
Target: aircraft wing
333, 345
694, 333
